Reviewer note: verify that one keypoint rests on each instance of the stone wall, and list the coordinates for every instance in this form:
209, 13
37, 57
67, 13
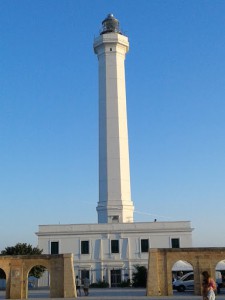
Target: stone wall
60, 268
161, 261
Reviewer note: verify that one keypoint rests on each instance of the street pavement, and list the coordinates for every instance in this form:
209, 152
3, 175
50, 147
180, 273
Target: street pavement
116, 294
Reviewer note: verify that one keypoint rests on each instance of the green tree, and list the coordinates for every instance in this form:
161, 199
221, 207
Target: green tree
25, 249
139, 276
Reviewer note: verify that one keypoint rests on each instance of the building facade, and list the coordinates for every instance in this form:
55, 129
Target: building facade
109, 250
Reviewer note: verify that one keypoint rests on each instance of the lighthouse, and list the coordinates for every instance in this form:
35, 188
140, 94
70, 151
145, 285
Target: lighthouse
115, 204
110, 250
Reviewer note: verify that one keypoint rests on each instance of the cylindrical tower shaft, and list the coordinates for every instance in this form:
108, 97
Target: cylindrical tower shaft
115, 204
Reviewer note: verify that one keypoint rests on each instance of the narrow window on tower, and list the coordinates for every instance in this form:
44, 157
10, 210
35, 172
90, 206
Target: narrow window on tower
110, 49
114, 246
54, 247
175, 243
84, 247
144, 245
115, 219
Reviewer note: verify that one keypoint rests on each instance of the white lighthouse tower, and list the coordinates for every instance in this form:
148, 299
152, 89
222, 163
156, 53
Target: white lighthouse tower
115, 204
111, 249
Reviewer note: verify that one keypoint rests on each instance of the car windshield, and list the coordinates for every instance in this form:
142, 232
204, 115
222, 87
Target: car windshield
187, 277
190, 277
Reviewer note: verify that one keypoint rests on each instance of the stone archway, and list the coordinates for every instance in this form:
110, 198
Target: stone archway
161, 262
17, 268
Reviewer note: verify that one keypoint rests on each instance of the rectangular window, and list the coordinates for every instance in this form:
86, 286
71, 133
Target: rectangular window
144, 245
54, 247
84, 247
114, 246
175, 243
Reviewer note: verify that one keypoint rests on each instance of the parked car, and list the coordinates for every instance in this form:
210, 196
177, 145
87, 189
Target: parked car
186, 282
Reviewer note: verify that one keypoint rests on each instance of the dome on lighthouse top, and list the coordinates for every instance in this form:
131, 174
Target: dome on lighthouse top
110, 24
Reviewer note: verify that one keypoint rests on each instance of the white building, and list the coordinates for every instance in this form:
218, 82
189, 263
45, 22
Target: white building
109, 250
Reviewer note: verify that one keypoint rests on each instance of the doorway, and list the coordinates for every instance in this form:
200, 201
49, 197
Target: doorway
115, 278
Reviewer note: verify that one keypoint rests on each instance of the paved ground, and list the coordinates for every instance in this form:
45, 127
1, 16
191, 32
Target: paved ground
117, 294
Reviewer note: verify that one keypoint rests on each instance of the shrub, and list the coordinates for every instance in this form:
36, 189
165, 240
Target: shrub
125, 283
139, 276
99, 284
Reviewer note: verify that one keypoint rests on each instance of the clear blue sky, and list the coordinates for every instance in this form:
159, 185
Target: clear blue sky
175, 79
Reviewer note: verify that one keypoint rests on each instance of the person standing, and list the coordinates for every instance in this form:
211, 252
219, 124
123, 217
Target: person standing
86, 286
78, 284
209, 286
